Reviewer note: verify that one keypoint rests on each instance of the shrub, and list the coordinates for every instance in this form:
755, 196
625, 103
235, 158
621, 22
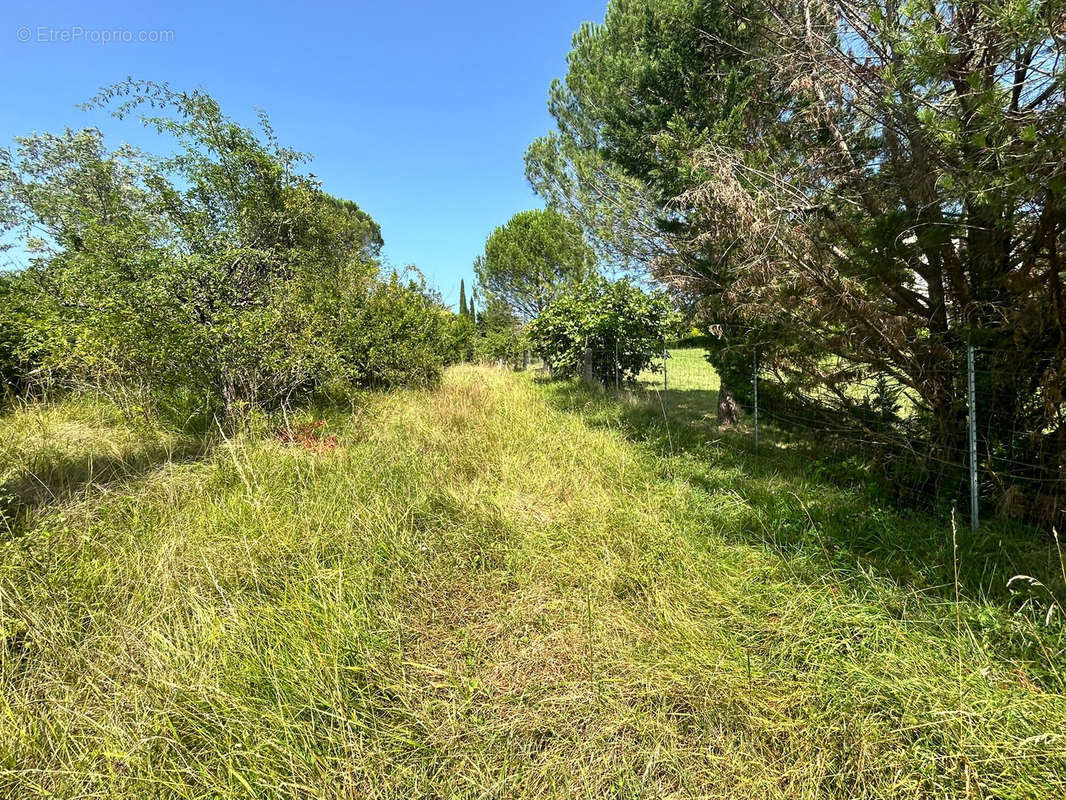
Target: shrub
459, 336
16, 363
602, 315
220, 277
394, 337
502, 345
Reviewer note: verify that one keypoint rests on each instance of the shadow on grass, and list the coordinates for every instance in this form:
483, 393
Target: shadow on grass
52, 479
797, 505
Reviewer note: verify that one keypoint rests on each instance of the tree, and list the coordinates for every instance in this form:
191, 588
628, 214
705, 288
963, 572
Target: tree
463, 310
218, 277
623, 325
528, 260
864, 184
656, 80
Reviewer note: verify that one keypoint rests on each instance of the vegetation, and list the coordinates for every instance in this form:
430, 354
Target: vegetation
14, 366
210, 281
232, 566
500, 588
530, 259
464, 310
863, 184
623, 325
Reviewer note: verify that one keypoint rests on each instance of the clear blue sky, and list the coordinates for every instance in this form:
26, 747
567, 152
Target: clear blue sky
418, 111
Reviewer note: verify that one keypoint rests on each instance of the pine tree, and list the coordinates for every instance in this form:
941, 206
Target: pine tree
462, 298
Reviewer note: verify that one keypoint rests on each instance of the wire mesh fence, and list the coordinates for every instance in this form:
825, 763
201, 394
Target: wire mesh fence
876, 423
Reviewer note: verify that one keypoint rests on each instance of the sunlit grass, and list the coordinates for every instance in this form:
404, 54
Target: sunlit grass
500, 589
51, 453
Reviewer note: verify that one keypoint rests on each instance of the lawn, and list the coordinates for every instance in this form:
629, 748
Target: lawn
505, 587
690, 383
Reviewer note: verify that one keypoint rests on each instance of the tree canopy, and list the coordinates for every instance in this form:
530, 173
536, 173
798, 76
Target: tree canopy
530, 258
868, 185
624, 326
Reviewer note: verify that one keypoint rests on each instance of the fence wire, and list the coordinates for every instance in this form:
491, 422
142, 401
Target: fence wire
973, 471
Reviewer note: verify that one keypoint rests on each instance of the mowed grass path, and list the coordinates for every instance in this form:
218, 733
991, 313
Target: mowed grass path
489, 590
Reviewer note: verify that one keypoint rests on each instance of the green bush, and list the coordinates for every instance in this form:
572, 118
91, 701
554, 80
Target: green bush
394, 337
15, 336
506, 345
220, 277
459, 337
609, 318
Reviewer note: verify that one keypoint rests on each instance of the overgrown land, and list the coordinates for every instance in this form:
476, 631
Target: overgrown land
498, 588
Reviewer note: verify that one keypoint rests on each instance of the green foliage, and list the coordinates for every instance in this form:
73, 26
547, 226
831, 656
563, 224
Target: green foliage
501, 337
463, 310
395, 336
14, 329
528, 261
219, 277
459, 335
609, 318
506, 346
655, 80
642, 74
873, 197
361, 232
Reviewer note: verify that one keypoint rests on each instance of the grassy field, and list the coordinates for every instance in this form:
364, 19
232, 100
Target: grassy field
687, 390
501, 588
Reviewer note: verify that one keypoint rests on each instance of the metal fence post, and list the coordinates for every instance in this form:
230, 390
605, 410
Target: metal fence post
971, 404
665, 384
755, 384
617, 383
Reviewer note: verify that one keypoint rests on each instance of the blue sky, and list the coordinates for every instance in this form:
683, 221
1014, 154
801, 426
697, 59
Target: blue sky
418, 111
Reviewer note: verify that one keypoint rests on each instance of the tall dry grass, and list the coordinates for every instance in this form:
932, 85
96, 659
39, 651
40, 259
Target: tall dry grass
489, 590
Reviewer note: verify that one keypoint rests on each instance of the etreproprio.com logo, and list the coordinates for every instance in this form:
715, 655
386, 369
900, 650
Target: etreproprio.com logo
46, 34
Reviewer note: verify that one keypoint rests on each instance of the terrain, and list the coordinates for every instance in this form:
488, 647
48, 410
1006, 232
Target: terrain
503, 587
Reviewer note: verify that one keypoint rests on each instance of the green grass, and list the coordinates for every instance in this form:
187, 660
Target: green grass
502, 588
51, 454
687, 370
695, 379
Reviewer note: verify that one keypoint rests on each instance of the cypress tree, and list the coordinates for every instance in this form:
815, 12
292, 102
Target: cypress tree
462, 298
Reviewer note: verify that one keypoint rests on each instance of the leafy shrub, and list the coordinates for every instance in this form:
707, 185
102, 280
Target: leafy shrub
602, 315
459, 337
15, 337
219, 277
505, 345
394, 337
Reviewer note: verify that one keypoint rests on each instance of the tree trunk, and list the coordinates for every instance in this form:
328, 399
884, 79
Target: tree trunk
728, 407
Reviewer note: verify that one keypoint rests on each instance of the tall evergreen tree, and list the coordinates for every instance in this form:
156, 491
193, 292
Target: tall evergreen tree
463, 310
864, 182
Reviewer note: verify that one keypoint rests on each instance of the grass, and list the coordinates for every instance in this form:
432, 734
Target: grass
691, 387
52, 454
502, 588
